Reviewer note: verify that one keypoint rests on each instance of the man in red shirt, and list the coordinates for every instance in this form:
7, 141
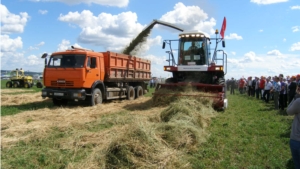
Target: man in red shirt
262, 85
241, 85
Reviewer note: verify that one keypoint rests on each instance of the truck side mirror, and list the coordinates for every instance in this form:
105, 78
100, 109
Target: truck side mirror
45, 62
223, 43
164, 44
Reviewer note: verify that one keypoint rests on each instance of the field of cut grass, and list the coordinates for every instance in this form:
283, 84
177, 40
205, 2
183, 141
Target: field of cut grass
249, 134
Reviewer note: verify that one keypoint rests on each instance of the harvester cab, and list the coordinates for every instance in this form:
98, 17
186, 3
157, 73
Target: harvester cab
198, 64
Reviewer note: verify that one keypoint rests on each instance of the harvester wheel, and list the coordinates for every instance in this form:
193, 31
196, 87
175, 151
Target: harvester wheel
130, 93
27, 85
39, 85
16, 84
138, 92
59, 102
8, 84
96, 97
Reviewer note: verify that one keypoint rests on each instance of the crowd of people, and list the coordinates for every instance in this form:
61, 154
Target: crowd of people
284, 91
280, 89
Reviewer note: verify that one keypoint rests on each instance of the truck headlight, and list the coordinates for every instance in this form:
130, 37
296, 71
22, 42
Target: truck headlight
44, 93
77, 95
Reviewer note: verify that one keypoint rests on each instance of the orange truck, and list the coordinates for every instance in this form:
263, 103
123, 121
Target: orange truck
84, 75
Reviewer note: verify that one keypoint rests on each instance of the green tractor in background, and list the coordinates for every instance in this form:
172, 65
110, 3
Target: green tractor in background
19, 80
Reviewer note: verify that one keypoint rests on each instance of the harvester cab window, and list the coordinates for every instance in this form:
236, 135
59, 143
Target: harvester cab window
193, 53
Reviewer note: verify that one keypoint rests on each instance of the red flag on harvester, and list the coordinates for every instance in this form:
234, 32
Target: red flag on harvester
223, 28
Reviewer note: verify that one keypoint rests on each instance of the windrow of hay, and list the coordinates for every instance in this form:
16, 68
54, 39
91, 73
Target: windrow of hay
4, 91
163, 143
119, 134
8, 99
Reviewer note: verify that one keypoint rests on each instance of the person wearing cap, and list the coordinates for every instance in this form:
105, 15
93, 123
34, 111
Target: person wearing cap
292, 88
294, 110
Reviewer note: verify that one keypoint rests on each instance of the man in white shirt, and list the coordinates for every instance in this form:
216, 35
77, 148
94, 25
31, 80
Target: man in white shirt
268, 87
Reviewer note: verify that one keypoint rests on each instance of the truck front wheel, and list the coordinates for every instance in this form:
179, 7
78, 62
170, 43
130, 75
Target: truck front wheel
96, 97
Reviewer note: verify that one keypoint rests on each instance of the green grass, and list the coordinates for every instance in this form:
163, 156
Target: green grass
249, 134
33, 89
15, 109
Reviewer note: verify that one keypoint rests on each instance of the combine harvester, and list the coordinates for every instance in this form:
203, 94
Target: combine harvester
196, 66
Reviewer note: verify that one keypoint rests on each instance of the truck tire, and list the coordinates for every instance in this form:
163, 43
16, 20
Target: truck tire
59, 102
138, 92
130, 93
96, 97
8, 84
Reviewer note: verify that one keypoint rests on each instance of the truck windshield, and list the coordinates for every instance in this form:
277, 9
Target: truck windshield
192, 52
72, 61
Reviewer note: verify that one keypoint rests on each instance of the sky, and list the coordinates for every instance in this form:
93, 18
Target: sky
262, 36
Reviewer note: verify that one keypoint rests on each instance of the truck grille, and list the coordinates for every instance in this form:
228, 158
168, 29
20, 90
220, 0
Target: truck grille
62, 84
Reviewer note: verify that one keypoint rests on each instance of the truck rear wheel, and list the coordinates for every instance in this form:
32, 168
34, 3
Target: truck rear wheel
138, 92
130, 93
96, 97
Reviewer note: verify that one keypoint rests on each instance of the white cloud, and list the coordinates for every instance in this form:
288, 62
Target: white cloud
107, 30
10, 45
117, 3
41, 44
36, 47
261, 30
43, 12
296, 28
234, 36
233, 53
250, 57
190, 18
274, 52
65, 45
284, 40
295, 46
156, 60
295, 7
12, 23
266, 2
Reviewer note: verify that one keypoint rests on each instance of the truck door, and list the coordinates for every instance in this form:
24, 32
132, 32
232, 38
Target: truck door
93, 70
